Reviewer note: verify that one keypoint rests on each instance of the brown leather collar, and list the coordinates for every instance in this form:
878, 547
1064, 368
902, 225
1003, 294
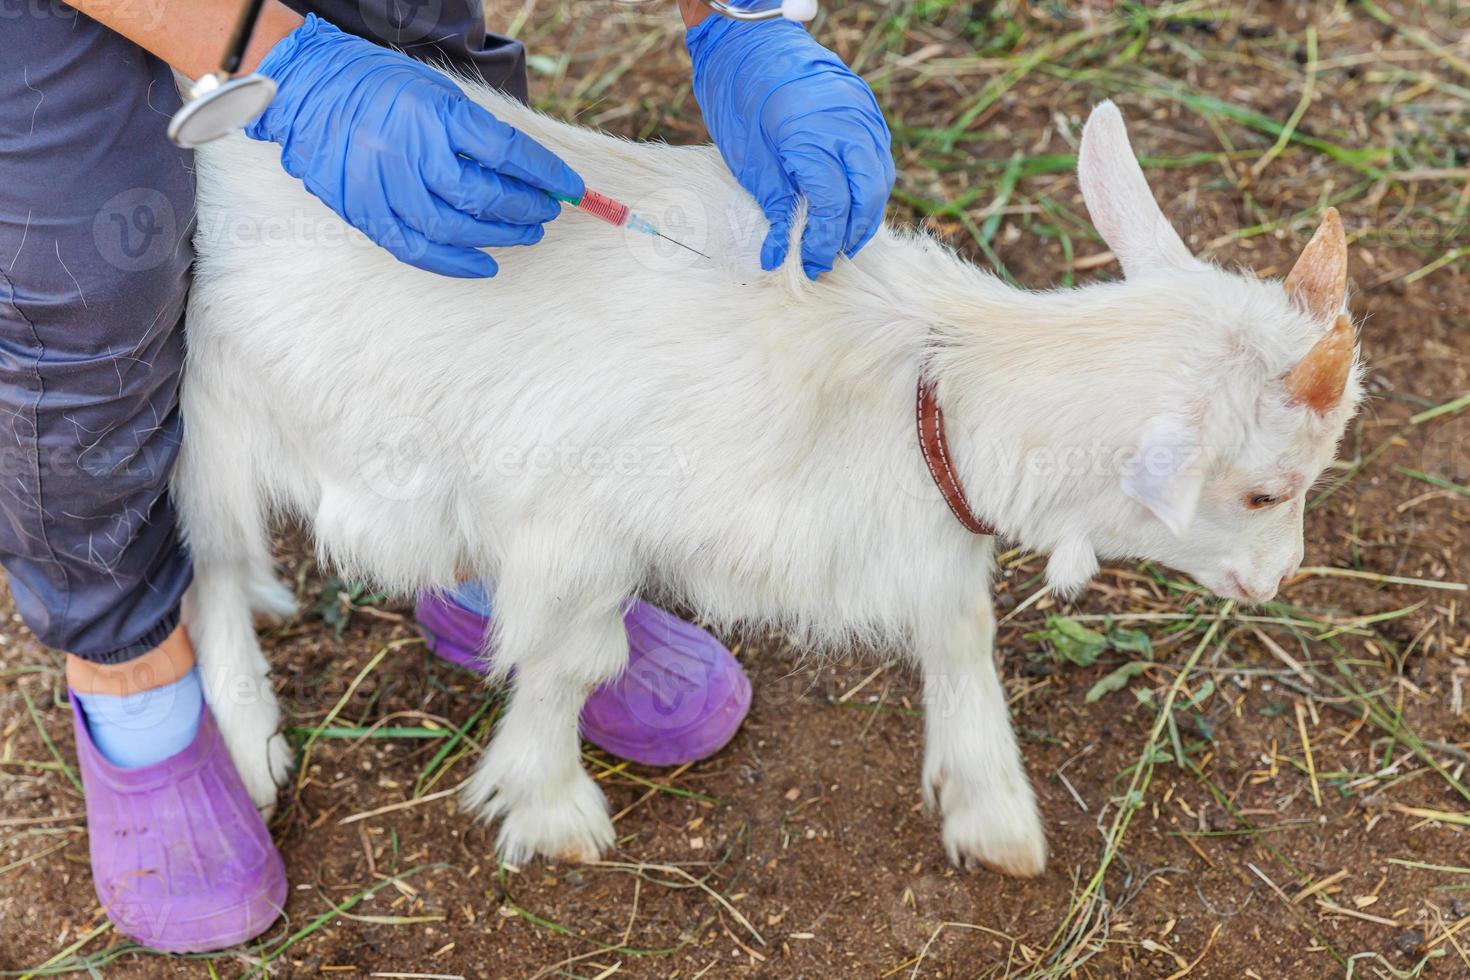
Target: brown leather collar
935, 447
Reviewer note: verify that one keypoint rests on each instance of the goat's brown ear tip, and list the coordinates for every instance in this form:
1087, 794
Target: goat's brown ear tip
1330, 235
1332, 222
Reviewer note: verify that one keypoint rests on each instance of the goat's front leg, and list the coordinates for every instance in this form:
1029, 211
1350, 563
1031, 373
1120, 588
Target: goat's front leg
972, 765
531, 777
235, 672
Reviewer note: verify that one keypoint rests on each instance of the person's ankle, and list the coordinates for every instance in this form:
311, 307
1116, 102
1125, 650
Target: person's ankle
163, 665
143, 710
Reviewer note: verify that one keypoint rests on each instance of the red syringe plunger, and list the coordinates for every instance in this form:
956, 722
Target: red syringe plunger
603, 207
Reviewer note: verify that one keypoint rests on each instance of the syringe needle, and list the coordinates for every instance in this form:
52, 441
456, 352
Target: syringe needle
682, 245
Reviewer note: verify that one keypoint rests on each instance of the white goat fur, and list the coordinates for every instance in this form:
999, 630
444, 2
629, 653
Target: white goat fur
740, 442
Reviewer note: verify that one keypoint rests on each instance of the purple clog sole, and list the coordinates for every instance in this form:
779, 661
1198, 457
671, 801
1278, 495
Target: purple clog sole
681, 698
181, 859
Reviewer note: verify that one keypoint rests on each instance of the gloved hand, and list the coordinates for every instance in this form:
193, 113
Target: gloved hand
791, 119
383, 141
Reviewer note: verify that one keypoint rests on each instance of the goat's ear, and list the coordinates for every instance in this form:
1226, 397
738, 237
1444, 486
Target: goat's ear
1317, 282
1122, 207
1166, 473
1319, 379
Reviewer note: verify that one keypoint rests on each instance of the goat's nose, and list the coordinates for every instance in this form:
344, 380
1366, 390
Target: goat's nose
1236, 587
1265, 594
1252, 592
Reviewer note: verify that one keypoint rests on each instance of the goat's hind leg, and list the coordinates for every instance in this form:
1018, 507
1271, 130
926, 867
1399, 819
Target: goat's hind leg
531, 777
972, 765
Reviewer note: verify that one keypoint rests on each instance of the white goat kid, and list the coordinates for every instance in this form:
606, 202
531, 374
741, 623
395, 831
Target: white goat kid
603, 419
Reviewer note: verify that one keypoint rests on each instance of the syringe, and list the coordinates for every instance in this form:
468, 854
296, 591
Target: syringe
604, 208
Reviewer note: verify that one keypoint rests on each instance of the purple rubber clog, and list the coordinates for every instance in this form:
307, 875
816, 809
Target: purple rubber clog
681, 698
181, 859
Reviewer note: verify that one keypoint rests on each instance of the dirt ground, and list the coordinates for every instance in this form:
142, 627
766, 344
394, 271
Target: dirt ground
1276, 792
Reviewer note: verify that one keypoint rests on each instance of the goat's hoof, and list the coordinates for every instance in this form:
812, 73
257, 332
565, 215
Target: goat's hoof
264, 767
1002, 834
575, 828
563, 820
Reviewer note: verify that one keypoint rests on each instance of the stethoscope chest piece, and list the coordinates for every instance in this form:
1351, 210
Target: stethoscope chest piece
219, 103
216, 107
798, 10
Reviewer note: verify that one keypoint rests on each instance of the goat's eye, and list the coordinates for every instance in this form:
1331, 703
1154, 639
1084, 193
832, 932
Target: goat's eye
1260, 501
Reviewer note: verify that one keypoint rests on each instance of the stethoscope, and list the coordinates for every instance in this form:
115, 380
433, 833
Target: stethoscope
218, 103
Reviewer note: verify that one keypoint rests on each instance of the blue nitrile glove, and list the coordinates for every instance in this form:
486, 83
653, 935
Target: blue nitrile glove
402, 155
792, 120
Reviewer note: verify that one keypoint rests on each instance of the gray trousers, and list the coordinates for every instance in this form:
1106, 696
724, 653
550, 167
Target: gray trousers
96, 217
